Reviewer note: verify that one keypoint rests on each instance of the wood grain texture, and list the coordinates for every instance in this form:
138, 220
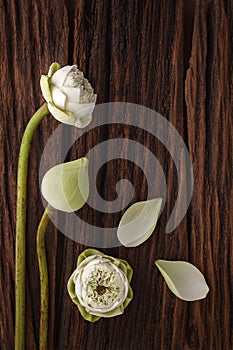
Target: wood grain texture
176, 58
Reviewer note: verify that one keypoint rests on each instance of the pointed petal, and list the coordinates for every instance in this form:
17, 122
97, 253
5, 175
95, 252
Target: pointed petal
53, 68
60, 75
73, 94
45, 88
59, 98
183, 279
86, 254
138, 222
66, 186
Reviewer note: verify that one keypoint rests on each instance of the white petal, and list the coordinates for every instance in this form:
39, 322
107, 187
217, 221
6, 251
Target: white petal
59, 98
83, 122
66, 186
60, 75
183, 279
80, 109
118, 311
72, 94
61, 116
138, 222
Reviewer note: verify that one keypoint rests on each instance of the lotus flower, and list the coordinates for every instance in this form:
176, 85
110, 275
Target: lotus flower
70, 97
100, 285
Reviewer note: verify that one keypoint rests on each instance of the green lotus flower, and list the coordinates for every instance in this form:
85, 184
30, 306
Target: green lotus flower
70, 97
100, 285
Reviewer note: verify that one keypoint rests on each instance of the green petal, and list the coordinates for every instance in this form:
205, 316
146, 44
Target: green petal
53, 68
86, 253
45, 88
183, 279
122, 264
84, 313
71, 287
138, 222
66, 186
129, 271
129, 297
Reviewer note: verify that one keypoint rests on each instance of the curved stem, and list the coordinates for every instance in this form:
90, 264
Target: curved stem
21, 225
42, 262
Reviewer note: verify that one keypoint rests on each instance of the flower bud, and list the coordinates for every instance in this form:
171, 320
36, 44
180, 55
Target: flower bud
66, 186
100, 285
69, 95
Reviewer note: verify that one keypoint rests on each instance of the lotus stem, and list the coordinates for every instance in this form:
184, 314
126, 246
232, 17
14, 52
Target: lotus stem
43, 269
21, 226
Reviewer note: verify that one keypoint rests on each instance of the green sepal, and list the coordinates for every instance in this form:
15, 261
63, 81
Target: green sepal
45, 88
53, 68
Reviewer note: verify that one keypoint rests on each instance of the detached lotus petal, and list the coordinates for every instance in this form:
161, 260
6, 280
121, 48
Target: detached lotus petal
66, 186
138, 222
183, 279
100, 285
70, 97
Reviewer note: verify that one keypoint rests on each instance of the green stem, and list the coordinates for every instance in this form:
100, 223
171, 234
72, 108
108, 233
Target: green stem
21, 226
44, 297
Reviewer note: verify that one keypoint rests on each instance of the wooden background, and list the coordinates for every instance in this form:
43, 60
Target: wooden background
172, 56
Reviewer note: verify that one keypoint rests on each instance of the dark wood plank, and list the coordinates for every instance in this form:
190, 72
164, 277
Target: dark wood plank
176, 58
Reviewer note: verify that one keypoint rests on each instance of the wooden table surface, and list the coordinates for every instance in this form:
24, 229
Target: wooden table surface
176, 58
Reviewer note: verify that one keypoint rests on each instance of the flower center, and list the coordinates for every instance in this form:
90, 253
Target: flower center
101, 289
102, 286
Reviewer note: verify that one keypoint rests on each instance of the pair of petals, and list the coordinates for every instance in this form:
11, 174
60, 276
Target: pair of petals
182, 278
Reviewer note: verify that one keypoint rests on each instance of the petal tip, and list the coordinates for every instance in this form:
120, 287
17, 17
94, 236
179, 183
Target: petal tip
53, 68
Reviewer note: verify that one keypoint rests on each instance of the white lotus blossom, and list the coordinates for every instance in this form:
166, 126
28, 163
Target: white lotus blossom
69, 95
100, 285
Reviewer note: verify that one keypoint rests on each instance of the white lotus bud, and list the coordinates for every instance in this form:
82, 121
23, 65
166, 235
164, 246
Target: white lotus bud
69, 95
66, 186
